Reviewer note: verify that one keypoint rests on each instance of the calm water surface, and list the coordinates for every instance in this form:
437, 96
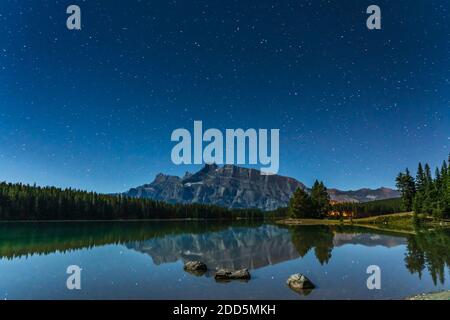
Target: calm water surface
144, 260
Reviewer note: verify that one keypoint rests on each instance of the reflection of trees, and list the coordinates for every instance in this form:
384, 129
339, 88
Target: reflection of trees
318, 237
23, 239
430, 250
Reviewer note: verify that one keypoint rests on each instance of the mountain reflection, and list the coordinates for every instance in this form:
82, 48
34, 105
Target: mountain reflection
257, 247
231, 248
237, 245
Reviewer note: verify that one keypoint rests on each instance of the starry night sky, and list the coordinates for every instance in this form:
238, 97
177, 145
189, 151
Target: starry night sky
94, 109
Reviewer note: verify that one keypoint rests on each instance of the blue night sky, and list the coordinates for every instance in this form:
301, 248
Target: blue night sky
94, 109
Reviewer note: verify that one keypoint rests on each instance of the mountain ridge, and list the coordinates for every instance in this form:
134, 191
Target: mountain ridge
238, 187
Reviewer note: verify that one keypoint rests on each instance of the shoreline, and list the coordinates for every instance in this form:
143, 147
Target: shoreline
441, 295
396, 222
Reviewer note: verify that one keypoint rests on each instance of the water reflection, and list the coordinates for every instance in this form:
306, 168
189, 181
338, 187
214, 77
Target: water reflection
223, 245
258, 247
27, 239
233, 247
317, 238
429, 250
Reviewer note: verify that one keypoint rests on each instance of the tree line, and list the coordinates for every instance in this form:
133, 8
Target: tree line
314, 205
317, 205
426, 194
25, 202
368, 209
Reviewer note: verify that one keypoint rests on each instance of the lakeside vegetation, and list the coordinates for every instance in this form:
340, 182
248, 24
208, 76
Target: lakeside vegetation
367, 209
314, 205
426, 194
20, 202
317, 205
425, 200
397, 222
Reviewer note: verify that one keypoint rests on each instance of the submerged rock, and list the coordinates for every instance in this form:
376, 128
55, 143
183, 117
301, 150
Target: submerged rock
195, 266
300, 283
225, 275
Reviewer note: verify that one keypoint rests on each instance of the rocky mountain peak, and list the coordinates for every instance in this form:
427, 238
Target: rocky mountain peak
238, 187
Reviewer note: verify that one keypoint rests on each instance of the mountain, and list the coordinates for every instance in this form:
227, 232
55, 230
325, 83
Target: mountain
236, 187
227, 186
363, 195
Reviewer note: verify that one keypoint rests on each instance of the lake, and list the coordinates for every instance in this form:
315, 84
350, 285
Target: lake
144, 260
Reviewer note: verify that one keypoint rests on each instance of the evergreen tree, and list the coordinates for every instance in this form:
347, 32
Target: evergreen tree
428, 177
444, 169
429, 192
420, 189
446, 196
443, 192
432, 195
406, 185
320, 200
300, 205
420, 178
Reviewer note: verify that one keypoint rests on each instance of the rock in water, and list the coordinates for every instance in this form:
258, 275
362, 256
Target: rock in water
224, 274
299, 282
195, 266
